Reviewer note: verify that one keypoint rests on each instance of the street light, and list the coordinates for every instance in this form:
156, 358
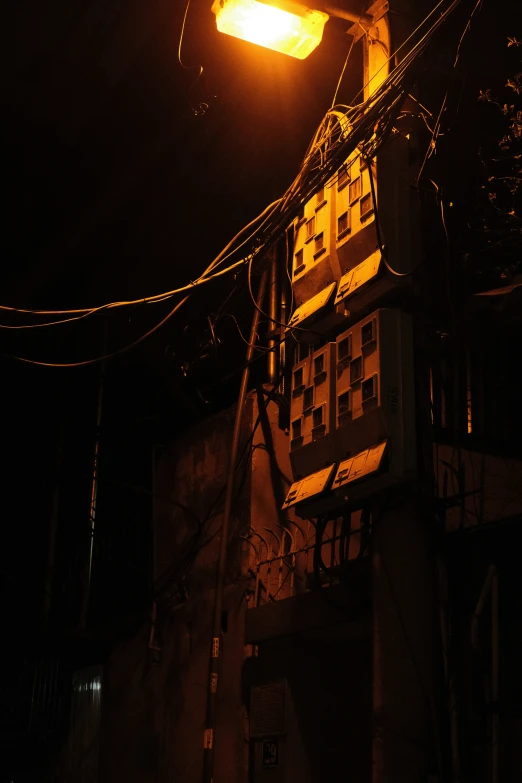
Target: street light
290, 27
281, 25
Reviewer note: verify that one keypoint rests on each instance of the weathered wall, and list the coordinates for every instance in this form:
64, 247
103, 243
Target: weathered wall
154, 701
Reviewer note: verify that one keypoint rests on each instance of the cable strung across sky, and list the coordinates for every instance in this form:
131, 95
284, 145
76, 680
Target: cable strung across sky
344, 129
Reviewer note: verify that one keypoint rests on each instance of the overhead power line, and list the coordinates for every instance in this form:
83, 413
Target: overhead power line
343, 130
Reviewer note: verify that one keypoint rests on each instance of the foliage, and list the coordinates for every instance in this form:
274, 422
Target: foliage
501, 213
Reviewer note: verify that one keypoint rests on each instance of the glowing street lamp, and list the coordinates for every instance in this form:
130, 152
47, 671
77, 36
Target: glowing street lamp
281, 25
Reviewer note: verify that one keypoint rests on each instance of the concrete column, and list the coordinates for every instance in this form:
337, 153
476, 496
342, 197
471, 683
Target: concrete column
405, 730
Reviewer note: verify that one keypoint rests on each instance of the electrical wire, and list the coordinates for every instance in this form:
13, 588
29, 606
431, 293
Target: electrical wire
365, 126
222, 256
378, 231
202, 105
436, 128
244, 339
262, 312
112, 355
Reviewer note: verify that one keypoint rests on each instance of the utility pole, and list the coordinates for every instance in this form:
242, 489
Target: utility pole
209, 737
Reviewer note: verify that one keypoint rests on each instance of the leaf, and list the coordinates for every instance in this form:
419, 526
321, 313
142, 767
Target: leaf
514, 86
513, 42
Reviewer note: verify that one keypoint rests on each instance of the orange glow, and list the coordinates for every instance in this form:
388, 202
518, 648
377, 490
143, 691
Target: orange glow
283, 26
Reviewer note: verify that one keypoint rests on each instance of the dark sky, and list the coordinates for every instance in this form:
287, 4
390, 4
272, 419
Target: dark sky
114, 189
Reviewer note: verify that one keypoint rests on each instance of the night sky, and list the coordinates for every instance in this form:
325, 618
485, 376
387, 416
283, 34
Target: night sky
114, 188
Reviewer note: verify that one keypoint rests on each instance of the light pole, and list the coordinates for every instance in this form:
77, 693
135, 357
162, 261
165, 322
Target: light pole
403, 597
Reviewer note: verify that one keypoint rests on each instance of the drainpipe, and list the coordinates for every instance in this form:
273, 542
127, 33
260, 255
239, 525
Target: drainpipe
273, 289
216, 650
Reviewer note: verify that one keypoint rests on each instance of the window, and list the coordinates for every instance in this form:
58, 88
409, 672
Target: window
299, 263
343, 403
310, 228
369, 389
319, 244
368, 333
319, 364
354, 191
320, 196
342, 177
298, 380
366, 205
343, 224
301, 214
308, 399
356, 370
344, 349
296, 429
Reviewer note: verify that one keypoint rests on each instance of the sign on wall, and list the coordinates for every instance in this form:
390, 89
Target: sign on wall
270, 753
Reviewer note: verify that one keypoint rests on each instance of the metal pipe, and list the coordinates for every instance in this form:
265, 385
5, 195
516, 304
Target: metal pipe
365, 20
282, 342
216, 652
272, 312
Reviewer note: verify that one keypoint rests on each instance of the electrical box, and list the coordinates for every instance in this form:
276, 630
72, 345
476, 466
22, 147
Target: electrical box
362, 287
394, 173
375, 389
315, 265
277, 744
398, 203
335, 238
345, 486
318, 314
309, 487
312, 412
359, 466
355, 235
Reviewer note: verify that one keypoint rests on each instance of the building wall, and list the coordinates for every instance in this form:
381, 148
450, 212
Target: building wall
154, 700
153, 708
